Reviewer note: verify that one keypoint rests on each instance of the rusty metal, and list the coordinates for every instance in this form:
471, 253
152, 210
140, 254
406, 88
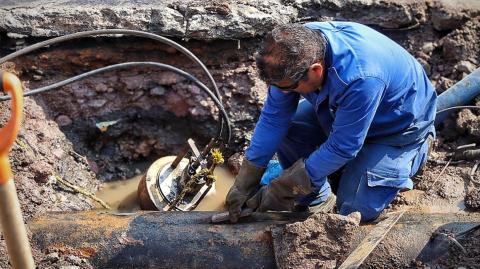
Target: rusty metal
180, 156
160, 239
189, 240
224, 216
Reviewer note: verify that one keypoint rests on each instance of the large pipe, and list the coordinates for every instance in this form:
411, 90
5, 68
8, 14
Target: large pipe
460, 94
189, 240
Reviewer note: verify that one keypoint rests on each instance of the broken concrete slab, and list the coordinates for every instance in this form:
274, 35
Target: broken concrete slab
221, 19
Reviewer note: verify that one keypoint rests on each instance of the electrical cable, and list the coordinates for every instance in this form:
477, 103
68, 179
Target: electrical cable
458, 107
155, 37
202, 86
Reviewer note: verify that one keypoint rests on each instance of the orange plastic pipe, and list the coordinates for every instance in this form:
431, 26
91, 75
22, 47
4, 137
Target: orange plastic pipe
11, 84
13, 226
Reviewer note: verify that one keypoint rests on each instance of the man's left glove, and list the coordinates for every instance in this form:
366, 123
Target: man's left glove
280, 193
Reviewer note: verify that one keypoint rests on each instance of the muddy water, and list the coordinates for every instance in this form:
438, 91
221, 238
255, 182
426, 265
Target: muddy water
122, 195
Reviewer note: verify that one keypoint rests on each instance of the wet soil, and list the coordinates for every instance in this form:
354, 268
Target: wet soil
321, 241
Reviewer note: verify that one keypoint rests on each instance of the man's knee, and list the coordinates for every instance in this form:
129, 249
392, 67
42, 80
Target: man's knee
370, 204
368, 213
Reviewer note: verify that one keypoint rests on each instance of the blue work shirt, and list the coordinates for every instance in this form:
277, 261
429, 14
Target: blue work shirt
376, 92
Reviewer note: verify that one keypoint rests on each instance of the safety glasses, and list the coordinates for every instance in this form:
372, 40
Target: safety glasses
297, 78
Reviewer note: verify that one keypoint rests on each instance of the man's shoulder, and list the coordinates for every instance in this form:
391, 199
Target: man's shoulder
335, 25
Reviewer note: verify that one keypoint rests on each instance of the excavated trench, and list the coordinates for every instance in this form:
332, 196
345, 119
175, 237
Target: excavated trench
122, 120
112, 126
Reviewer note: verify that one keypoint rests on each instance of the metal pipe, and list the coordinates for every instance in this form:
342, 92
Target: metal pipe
462, 93
190, 240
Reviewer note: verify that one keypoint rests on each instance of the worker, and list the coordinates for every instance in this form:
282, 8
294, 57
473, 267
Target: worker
342, 98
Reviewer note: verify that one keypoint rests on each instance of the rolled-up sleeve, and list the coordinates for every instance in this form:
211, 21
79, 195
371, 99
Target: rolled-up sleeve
356, 110
272, 125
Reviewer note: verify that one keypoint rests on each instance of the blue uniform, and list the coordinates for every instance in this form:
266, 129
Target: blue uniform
370, 119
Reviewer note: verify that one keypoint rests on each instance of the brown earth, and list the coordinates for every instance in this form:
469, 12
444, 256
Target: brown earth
321, 241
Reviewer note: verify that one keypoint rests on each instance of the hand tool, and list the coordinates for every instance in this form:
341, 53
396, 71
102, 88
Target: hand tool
224, 216
11, 218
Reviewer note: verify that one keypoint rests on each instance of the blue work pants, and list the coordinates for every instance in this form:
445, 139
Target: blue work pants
369, 182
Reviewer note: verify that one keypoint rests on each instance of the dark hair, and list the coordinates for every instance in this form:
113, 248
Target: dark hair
287, 51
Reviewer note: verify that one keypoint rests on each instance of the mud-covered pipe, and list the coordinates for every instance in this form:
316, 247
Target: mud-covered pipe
189, 240
459, 94
157, 240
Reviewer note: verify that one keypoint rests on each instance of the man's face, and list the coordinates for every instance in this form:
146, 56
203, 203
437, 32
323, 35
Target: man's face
309, 81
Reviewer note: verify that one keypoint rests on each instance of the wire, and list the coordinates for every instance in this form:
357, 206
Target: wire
458, 107
159, 38
202, 86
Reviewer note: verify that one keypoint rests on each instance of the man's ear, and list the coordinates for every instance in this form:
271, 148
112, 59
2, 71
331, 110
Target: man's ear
317, 69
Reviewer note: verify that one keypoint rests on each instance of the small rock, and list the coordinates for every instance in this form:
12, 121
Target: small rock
58, 153
194, 89
79, 90
38, 72
52, 257
63, 120
444, 19
465, 67
73, 259
61, 198
16, 36
100, 87
168, 78
158, 91
37, 77
355, 217
93, 166
428, 47
422, 56
97, 103
134, 82
41, 171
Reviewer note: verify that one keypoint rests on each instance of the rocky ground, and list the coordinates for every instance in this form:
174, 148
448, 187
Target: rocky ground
110, 126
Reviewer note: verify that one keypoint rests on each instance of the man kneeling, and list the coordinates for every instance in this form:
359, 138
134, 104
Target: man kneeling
367, 113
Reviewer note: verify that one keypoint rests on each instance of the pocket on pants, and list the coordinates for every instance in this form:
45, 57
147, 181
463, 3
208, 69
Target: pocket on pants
377, 178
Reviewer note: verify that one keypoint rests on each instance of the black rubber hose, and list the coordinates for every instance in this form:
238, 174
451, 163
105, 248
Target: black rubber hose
217, 102
159, 38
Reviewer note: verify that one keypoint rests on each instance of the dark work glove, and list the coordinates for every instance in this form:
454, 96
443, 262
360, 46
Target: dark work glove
281, 193
246, 182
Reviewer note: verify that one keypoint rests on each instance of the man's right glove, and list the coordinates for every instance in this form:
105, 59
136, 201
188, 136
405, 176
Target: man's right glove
246, 182
280, 193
